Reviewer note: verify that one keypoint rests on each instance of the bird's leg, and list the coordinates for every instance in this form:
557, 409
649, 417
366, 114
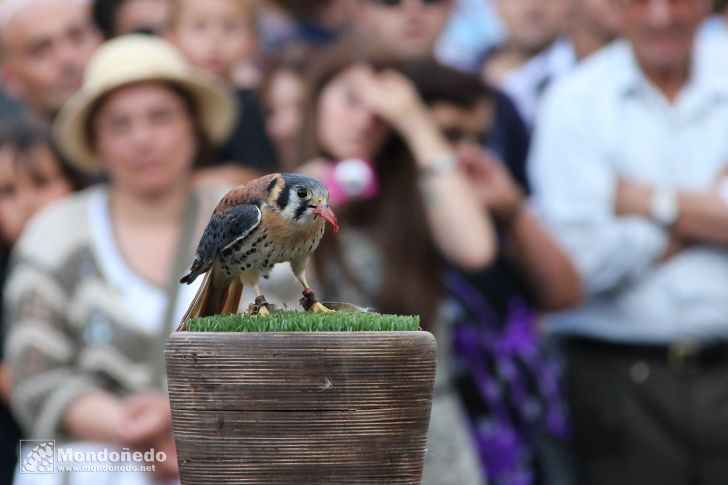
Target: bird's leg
260, 306
309, 301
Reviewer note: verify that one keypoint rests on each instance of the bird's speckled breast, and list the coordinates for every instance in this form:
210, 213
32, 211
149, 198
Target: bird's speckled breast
275, 240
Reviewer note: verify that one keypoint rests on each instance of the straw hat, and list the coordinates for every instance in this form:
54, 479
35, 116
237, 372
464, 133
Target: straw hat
130, 59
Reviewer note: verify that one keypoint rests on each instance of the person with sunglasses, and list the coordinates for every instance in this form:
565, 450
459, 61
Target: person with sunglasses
495, 335
407, 30
403, 29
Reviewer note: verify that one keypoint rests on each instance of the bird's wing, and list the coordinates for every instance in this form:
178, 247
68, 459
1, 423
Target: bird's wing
253, 192
225, 228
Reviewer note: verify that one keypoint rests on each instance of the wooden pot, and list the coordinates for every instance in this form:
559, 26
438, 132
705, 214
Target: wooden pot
310, 408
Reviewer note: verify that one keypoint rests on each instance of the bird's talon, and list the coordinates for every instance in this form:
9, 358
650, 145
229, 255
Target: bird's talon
319, 308
254, 309
260, 307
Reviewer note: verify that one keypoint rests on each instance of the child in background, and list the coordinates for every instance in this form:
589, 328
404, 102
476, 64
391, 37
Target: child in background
282, 95
220, 36
31, 176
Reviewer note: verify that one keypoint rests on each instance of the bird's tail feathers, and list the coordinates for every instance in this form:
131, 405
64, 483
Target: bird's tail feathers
212, 298
231, 299
187, 279
194, 272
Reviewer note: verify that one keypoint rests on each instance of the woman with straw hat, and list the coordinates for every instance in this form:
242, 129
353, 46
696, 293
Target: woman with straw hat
92, 293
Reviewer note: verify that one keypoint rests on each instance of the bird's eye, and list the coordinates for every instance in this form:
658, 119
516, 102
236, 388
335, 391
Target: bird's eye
304, 194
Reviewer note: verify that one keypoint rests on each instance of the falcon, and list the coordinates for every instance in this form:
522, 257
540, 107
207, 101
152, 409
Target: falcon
274, 219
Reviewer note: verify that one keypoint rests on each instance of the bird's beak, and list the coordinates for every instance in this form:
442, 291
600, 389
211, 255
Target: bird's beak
326, 212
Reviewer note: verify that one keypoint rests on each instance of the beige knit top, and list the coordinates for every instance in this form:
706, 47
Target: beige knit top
69, 328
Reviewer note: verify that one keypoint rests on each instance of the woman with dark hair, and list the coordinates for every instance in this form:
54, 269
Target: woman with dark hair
416, 211
92, 293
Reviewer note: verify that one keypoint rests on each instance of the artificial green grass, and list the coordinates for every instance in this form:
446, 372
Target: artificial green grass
293, 321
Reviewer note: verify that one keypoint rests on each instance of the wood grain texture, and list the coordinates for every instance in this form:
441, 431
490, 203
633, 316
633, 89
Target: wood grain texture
277, 408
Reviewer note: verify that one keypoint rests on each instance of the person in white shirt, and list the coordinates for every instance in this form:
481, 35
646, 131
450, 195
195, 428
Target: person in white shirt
715, 28
526, 83
629, 169
530, 27
535, 53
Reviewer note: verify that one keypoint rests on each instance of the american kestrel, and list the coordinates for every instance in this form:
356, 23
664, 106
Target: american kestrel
273, 219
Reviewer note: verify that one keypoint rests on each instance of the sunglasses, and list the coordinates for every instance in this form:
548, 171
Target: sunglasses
397, 3
456, 135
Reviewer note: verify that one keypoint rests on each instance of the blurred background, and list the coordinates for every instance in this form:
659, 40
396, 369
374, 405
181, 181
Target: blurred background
544, 182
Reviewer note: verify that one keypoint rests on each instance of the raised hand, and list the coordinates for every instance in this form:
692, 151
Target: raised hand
391, 95
494, 186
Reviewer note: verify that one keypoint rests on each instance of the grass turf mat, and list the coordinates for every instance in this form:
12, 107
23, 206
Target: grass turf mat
294, 321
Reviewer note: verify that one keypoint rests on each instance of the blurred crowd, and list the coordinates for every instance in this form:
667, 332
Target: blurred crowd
544, 182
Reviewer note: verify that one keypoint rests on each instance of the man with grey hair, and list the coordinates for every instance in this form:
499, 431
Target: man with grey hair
44, 48
630, 168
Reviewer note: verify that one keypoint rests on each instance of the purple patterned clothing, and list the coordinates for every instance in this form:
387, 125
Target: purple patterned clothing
509, 387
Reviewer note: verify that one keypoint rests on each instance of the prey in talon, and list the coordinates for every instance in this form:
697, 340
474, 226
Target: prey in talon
273, 219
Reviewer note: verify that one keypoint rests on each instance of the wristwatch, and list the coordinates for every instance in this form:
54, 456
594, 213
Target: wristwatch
664, 206
444, 164
723, 190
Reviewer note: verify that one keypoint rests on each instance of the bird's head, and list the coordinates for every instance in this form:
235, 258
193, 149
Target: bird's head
303, 199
